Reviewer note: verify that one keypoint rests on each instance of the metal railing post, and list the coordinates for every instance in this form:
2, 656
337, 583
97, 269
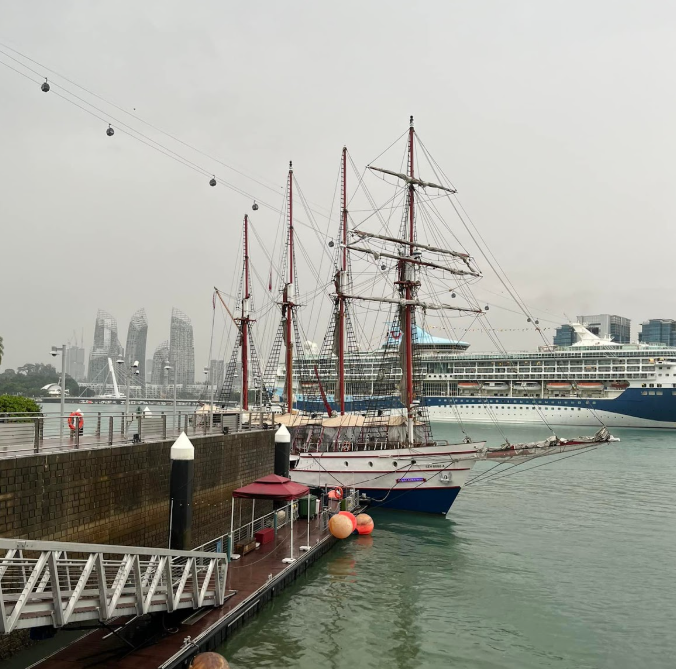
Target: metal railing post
110, 431
77, 432
123, 427
174, 427
140, 422
98, 424
36, 436
164, 425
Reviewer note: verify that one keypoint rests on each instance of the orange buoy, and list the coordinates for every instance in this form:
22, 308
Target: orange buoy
76, 417
364, 524
349, 515
340, 526
209, 661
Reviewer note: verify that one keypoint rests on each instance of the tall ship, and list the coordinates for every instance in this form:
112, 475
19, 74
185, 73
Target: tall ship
591, 383
387, 451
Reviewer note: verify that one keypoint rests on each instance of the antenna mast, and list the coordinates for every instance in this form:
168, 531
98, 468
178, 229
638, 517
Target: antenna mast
287, 303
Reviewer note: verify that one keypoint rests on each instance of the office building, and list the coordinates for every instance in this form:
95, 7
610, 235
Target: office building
565, 336
658, 331
135, 350
160, 359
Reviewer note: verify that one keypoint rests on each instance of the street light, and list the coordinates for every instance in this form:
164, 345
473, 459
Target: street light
168, 368
135, 370
55, 351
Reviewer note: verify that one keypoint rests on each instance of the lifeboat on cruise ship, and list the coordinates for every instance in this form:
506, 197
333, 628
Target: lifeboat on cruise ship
528, 385
469, 385
496, 385
590, 385
557, 385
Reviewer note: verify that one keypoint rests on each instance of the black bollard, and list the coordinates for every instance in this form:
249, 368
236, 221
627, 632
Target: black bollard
180, 493
282, 451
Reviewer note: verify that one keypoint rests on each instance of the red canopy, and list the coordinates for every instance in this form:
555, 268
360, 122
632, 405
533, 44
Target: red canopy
272, 487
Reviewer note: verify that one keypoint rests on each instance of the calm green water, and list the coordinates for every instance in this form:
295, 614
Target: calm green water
570, 565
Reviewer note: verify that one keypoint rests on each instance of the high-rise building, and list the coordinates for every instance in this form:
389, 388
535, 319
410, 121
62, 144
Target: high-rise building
216, 373
565, 336
658, 331
617, 328
160, 359
149, 371
181, 348
75, 362
135, 349
106, 345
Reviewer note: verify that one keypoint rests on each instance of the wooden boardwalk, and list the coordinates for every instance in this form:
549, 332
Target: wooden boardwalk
256, 578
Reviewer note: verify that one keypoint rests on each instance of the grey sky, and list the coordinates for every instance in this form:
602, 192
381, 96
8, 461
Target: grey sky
554, 120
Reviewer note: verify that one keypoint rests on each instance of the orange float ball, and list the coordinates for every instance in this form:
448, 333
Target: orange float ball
364, 524
340, 526
349, 515
209, 661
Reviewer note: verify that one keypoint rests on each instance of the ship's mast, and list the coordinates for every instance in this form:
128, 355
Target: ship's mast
340, 287
245, 321
406, 278
287, 303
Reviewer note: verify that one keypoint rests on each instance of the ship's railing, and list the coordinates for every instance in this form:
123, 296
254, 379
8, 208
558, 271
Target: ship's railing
56, 583
24, 434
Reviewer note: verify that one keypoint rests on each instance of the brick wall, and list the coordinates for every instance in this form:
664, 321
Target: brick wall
119, 495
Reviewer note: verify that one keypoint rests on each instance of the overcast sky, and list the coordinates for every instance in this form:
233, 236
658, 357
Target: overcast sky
554, 120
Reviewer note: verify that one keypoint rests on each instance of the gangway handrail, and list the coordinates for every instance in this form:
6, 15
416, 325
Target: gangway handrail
54, 587
33, 545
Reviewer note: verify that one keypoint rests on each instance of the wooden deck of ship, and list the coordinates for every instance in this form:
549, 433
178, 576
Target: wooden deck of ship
256, 578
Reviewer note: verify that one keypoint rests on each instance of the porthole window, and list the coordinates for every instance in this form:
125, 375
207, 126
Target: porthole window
346, 463
370, 464
394, 464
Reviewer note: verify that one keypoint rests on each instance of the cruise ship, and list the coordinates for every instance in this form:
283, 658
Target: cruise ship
595, 381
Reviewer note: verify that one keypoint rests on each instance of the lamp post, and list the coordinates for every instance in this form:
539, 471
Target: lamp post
169, 368
55, 351
134, 370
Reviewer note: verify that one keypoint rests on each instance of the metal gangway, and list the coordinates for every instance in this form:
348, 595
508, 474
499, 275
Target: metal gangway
50, 583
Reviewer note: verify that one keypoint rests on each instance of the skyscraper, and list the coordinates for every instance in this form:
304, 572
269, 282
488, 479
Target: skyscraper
160, 359
617, 328
106, 345
135, 349
75, 362
181, 348
658, 331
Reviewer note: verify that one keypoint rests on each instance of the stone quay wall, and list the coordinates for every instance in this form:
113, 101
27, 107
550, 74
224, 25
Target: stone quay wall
120, 495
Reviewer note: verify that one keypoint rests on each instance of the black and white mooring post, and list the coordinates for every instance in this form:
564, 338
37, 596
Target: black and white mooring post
180, 493
282, 451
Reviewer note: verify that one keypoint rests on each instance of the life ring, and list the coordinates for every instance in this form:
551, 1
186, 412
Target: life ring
345, 448
71, 420
338, 493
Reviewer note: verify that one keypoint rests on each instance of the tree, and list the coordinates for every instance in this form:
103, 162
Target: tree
15, 404
29, 379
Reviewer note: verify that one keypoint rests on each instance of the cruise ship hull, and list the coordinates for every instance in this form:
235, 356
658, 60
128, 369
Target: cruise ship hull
633, 407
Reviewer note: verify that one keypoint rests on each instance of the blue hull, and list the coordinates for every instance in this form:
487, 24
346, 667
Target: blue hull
422, 500
649, 404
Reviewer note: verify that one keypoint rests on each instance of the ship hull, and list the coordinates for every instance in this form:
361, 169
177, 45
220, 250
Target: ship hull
426, 479
427, 500
633, 407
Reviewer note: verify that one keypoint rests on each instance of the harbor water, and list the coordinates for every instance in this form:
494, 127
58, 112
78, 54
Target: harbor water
567, 565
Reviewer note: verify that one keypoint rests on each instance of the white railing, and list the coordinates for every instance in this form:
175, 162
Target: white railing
28, 433
56, 583
276, 520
